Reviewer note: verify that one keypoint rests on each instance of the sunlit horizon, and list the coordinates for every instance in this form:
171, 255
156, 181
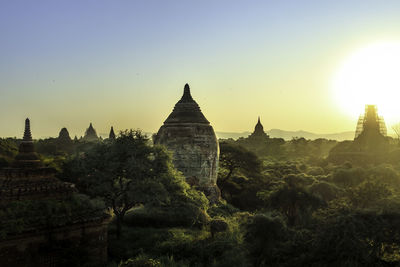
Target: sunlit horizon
370, 75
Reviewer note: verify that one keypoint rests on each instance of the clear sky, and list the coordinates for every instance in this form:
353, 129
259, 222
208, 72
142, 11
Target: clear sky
65, 63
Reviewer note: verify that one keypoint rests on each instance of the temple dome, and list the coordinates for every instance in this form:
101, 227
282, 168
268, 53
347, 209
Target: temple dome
192, 140
186, 110
63, 136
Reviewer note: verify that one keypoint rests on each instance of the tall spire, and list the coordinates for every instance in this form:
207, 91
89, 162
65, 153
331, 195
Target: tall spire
26, 157
259, 120
27, 132
186, 94
112, 134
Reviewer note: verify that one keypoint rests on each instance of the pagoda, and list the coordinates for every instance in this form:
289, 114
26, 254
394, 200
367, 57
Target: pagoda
27, 178
27, 157
112, 134
42, 217
370, 122
370, 145
63, 136
258, 131
371, 132
90, 134
188, 134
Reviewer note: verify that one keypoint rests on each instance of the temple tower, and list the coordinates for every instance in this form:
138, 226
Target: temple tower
371, 132
90, 134
371, 122
191, 138
63, 136
112, 134
258, 131
27, 157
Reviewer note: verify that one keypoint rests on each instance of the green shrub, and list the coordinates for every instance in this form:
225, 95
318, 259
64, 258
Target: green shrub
141, 261
175, 216
218, 225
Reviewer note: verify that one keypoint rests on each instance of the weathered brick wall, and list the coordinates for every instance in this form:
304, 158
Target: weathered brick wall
195, 150
42, 249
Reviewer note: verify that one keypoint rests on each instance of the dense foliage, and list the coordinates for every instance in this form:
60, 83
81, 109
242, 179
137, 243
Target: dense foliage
127, 172
284, 203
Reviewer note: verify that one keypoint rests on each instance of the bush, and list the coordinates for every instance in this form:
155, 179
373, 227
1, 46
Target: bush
141, 261
176, 216
218, 225
222, 209
325, 190
349, 177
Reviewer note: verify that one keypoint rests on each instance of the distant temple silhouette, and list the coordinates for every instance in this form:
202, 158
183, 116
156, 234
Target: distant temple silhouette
112, 134
370, 144
27, 157
63, 136
258, 131
370, 121
90, 134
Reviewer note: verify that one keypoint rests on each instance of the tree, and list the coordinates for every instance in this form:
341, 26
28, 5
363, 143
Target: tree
234, 158
344, 236
368, 194
291, 199
239, 175
126, 173
266, 237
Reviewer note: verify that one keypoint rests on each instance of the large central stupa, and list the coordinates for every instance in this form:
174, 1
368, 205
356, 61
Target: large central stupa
191, 138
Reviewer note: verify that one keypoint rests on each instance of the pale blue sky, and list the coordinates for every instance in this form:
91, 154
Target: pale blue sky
124, 63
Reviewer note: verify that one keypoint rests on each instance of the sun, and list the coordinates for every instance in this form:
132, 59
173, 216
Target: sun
370, 75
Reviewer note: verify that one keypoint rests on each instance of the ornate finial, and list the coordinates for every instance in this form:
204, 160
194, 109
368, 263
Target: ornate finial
27, 132
186, 93
259, 119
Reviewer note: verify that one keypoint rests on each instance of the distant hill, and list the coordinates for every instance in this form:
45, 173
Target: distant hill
288, 135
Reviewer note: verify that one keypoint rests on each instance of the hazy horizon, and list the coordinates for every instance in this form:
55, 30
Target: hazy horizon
124, 63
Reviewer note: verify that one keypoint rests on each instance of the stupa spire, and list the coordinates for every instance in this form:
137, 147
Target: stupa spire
186, 110
186, 94
112, 134
26, 157
27, 132
258, 130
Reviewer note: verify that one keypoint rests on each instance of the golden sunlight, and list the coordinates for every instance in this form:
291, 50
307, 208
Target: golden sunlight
370, 75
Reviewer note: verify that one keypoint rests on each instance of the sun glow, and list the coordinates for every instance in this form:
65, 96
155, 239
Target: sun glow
371, 75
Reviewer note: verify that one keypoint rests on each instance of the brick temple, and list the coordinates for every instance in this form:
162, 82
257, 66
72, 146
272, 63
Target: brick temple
44, 221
